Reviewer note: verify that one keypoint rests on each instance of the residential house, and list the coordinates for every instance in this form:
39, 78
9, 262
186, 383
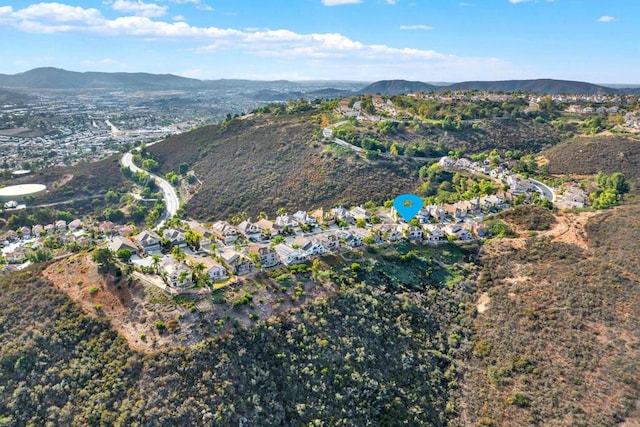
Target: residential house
433, 233
324, 218
214, 270
286, 220
438, 213
457, 231
117, 243
249, 230
175, 237
453, 210
9, 236
304, 218
446, 162
207, 235
492, 202
25, 232
49, 228
75, 225
350, 239
60, 224
343, 214
289, 255
361, 213
225, 232
267, 256
412, 232
237, 262
309, 247
372, 233
329, 241
473, 226
268, 229
177, 275
149, 241
37, 230
388, 232
17, 256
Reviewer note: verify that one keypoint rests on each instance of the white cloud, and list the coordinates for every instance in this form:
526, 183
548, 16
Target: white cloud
606, 18
333, 50
464, 4
339, 2
392, 1
416, 27
518, 1
179, 18
138, 7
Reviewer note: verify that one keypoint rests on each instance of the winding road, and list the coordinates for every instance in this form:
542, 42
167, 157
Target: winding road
171, 201
546, 191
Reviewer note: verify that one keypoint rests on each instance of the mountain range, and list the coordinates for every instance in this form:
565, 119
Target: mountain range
55, 78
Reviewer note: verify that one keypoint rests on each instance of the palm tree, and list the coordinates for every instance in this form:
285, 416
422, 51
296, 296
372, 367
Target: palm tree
197, 269
178, 254
156, 261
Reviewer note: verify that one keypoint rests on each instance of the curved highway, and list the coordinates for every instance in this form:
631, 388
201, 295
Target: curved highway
169, 194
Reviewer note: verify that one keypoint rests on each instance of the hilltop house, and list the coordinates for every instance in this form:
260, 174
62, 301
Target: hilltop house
324, 218
149, 241
118, 243
433, 233
309, 247
175, 237
267, 256
304, 218
225, 232
289, 255
177, 275
329, 241
237, 262
361, 213
286, 220
214, 270
249, 230
268, 229
75, 225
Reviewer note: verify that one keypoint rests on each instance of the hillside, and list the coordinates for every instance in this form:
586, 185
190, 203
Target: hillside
395, 87
266, 162
556, 335
589, 155
55, 78
549, 86
379, 354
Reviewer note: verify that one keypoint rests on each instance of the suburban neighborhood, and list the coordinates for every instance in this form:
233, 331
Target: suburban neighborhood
180, 253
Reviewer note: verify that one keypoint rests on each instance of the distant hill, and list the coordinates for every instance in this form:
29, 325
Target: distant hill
395, 87
549, 86
55, 78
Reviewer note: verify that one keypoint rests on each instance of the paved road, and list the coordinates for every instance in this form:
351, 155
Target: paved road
385, 155
170, 196
546, 191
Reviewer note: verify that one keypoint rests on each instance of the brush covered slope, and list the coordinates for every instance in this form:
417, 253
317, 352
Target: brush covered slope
265, 162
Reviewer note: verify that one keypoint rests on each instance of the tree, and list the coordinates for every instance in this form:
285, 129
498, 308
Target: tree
124, 254
193, 239
104, 258
178, 254
361, 223
156, 261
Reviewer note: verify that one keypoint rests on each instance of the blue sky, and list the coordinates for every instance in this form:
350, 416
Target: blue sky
366, 40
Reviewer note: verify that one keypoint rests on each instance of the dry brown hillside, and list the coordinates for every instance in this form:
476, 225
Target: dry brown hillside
266, 162
557, 340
